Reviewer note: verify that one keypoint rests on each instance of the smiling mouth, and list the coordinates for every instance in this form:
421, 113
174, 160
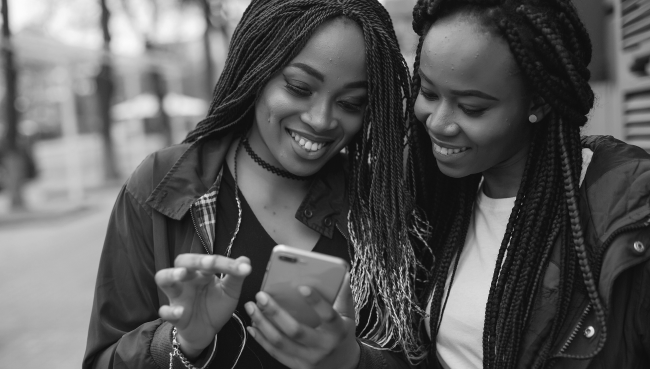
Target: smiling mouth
447, 152
306, 144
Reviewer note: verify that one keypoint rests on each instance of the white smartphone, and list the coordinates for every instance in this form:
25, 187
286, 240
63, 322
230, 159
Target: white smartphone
290, 267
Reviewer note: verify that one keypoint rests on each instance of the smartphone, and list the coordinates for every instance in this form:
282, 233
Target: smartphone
290, 267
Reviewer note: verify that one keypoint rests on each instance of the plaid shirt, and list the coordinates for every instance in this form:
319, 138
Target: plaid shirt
206, 211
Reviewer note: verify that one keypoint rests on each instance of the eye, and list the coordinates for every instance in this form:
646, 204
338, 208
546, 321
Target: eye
472, 112
351, 106
297, 88
428, 95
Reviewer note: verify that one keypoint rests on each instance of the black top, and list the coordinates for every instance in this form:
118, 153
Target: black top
255, 243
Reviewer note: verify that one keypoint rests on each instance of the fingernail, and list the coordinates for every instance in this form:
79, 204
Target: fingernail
178, 311
304, 290
251, 331
178, 273
244, 268
207, 261
249, 308
262, 299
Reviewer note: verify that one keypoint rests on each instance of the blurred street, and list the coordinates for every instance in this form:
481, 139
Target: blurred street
47, 275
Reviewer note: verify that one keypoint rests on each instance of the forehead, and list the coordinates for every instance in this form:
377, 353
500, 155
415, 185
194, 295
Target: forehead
336, 49
457, 50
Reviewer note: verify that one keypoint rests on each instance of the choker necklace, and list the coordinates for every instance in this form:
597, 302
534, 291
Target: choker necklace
269, 167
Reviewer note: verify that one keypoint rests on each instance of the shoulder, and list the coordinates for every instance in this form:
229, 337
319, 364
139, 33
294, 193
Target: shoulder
617, 169
153, 169
612, 155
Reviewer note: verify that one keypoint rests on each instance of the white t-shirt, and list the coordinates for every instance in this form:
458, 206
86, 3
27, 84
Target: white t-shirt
460, 338
459, 341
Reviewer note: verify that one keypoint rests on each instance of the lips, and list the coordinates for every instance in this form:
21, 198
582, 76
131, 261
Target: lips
448, 151
309, 145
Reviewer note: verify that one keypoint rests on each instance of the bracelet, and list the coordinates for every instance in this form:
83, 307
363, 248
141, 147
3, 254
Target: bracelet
176, 351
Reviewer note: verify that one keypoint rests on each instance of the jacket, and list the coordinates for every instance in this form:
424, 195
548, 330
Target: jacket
151, 223
615, 217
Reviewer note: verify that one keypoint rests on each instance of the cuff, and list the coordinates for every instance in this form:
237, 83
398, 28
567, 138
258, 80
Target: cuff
161, 350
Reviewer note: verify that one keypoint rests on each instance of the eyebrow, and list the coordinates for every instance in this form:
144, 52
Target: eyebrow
319, 76
475, 93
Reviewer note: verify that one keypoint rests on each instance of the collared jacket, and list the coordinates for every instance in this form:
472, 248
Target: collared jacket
615, 217
152, 222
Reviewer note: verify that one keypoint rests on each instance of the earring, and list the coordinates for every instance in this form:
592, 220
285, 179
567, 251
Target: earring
532, 118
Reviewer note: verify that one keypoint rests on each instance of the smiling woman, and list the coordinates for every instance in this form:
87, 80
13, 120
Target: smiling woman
193, 228
534, 226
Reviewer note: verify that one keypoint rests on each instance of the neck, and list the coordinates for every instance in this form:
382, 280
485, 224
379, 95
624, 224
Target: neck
503, 180
251, 174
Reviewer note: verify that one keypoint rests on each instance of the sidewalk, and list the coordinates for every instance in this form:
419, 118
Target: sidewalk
51, 206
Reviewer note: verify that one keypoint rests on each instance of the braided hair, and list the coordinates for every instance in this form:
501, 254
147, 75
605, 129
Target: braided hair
382, 222
552, 50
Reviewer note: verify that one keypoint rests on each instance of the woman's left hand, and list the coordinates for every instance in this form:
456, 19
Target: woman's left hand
332, 344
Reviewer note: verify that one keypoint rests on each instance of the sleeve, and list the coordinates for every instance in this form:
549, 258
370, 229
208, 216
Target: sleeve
374, 358
125, 330
124, 317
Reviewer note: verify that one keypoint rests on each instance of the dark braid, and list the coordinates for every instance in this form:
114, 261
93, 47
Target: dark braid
552, 50
383, 221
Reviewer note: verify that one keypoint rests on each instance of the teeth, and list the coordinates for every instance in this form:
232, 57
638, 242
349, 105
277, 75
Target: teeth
307, 144
447, 151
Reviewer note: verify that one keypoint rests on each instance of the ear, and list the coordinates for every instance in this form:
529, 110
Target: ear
539, 108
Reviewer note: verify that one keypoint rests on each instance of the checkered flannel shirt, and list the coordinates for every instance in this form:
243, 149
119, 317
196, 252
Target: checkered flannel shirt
206, 210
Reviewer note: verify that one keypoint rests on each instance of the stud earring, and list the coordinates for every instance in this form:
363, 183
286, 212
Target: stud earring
532, 118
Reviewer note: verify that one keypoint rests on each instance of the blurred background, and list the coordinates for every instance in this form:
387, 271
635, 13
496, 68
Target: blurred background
88, 88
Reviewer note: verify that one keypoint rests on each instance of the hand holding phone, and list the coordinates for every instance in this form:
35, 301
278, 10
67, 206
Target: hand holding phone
290, 267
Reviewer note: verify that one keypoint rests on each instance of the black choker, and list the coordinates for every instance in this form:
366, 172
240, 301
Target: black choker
269, 167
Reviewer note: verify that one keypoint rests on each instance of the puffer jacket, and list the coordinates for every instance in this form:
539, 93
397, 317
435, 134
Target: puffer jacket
151, 223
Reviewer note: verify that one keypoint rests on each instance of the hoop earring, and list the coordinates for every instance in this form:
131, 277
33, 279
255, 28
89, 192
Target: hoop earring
532, 118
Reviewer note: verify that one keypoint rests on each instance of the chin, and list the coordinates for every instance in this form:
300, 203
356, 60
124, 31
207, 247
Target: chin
453, 172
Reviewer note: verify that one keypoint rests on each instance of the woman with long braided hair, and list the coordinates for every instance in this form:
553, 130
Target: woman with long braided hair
194, 226
541, 237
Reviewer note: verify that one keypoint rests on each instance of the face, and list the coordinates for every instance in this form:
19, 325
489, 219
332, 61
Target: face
472, 100
313, 108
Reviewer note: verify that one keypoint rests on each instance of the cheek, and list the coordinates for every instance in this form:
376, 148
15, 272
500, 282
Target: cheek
273, 106
352, 126
420, 109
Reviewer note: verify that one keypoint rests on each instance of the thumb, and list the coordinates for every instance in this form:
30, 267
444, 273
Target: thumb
344, 303
233, 282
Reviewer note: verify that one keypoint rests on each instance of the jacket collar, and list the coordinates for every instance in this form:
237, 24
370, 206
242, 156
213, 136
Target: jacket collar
324, 209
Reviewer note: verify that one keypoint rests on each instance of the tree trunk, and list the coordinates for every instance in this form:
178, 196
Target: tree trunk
105, 87
14, 160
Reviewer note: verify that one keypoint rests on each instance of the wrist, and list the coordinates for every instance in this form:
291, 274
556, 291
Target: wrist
189, 350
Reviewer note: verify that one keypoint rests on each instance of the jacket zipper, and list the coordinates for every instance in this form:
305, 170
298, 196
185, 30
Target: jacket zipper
577, 328
608, 241
197, 230
342, 233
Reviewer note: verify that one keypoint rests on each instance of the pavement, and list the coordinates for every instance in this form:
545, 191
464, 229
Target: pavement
50, 256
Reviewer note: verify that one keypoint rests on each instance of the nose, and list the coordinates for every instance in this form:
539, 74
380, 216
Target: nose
441, 122
319, 116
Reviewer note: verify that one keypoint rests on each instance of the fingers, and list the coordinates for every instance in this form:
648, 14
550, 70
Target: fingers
212, 264
280, 318
279, 329
344, 303
329, 317
233, 282
171, 314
